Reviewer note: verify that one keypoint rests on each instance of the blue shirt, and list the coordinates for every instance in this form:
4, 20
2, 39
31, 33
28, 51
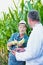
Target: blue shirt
12, 60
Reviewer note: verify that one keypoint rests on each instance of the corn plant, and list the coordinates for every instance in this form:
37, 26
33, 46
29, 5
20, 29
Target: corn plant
9, 24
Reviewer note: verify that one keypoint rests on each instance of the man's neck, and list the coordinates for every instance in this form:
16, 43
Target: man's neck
35, 24
21, 35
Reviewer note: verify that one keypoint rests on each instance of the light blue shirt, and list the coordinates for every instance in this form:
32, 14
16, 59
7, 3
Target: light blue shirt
33, 54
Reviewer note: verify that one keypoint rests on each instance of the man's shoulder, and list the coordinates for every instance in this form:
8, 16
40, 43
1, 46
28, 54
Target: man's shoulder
15, 34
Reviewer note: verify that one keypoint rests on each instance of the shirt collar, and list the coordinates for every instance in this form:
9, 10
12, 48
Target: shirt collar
37, 25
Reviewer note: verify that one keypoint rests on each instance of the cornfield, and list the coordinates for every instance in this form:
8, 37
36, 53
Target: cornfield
9, 24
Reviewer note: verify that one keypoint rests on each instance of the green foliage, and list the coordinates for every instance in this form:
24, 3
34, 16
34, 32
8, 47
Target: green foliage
9, 24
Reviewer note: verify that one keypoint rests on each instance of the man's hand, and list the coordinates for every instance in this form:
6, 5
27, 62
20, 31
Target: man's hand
17, 50
20, 49
13, 52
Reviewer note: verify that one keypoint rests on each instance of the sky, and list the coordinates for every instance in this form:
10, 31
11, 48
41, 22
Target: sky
4, 4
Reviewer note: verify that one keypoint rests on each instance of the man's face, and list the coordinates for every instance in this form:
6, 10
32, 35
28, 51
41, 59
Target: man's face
30, 22
22, 28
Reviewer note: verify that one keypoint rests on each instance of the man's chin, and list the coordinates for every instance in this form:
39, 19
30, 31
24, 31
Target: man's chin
21, 33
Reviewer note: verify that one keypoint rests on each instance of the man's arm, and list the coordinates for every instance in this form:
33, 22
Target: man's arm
12, 43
